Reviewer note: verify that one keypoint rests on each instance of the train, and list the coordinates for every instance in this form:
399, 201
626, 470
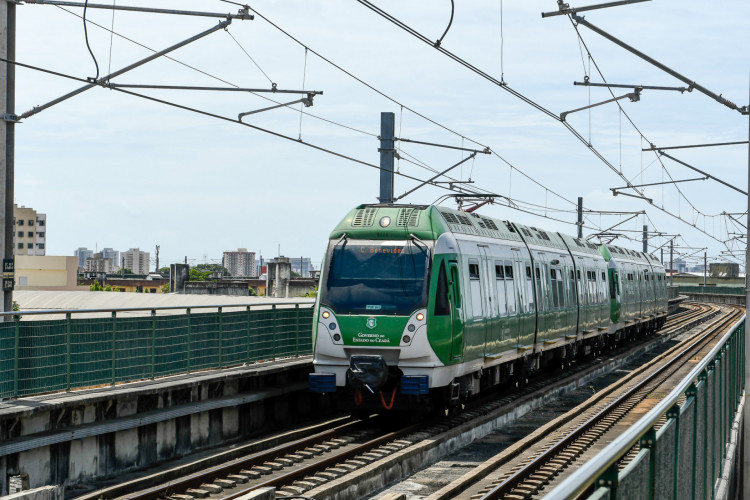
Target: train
421, 307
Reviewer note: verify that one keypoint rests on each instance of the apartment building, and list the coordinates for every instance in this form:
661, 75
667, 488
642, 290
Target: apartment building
136, 260
240, 262
29, 231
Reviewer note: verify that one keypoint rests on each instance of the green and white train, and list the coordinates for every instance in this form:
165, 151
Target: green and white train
423, 306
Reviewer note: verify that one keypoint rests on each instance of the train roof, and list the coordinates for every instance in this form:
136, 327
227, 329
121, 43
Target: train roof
428, 222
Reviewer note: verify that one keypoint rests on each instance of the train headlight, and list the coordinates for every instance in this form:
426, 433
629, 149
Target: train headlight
420, 317
326, 314
385, 221
332, 326
336, 337
406, 339
411, 328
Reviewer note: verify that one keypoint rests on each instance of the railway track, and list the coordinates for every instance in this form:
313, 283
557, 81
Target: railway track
308, 464
525, 477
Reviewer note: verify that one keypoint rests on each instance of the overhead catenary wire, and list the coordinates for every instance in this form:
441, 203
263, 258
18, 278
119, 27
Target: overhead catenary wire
520, 96
219, 79
86, 36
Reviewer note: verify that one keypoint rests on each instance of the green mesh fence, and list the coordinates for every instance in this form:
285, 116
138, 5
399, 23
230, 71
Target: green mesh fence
64, 354
714, 290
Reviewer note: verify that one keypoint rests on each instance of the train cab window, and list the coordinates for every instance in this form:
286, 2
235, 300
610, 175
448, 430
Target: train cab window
612, 290
442, 307
509, 272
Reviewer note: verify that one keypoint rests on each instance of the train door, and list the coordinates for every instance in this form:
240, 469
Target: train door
474, 335
456, 305
490, 301
541, 277
527, 322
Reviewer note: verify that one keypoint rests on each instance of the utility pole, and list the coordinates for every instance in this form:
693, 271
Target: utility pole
157, 258
705, 267
671, 268
580, 217
746, 431
387, 153
7, 145
662, 256
645, 239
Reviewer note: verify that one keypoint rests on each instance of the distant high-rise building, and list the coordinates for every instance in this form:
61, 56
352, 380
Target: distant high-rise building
113, 256
302, 266
98, 264
29, 231
240, 262
83, 253
136, 260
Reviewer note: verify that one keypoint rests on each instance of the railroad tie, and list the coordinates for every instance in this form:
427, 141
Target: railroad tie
238, 478
307, 485
252, 474
294, 490
211, 488
197, 493
333, 444
286, 462
295, 457
225, 483
317, 481
329, 476
262, 469
180, 497
273, 465
306, 453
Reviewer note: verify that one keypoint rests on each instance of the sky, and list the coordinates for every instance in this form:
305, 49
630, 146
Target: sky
116, 170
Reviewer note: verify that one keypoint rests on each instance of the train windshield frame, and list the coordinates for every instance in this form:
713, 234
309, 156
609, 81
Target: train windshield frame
376, 277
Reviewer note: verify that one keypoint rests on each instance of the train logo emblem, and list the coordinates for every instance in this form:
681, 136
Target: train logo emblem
371, 323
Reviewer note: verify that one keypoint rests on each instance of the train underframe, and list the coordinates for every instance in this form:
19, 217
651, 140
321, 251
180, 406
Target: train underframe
381, 389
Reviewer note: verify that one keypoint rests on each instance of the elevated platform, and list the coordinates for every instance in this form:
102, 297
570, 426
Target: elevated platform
70, 437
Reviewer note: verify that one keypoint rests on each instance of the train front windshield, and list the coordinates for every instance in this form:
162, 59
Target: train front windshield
376, 278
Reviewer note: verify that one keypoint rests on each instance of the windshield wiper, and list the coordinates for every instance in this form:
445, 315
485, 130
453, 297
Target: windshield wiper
419, 242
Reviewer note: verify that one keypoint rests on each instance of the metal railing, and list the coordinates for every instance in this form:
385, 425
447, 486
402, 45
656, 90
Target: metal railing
129, 344
683, 458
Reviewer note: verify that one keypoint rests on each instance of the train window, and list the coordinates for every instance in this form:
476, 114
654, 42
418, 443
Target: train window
553, 273
538, 276
529, 291
572, 276
612, 290
528, 272
442, 307
499, 274
473, 271
509, 272
604, 276
578, 272
456, 285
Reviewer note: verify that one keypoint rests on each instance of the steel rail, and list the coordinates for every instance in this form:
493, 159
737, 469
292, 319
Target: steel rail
510, 483
584, 477
221, 471
312, 468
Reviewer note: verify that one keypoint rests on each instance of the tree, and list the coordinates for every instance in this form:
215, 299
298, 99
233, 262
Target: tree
126, 270
252, 291
212, 268
165, 288
96, 286
164, 271
313, 292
